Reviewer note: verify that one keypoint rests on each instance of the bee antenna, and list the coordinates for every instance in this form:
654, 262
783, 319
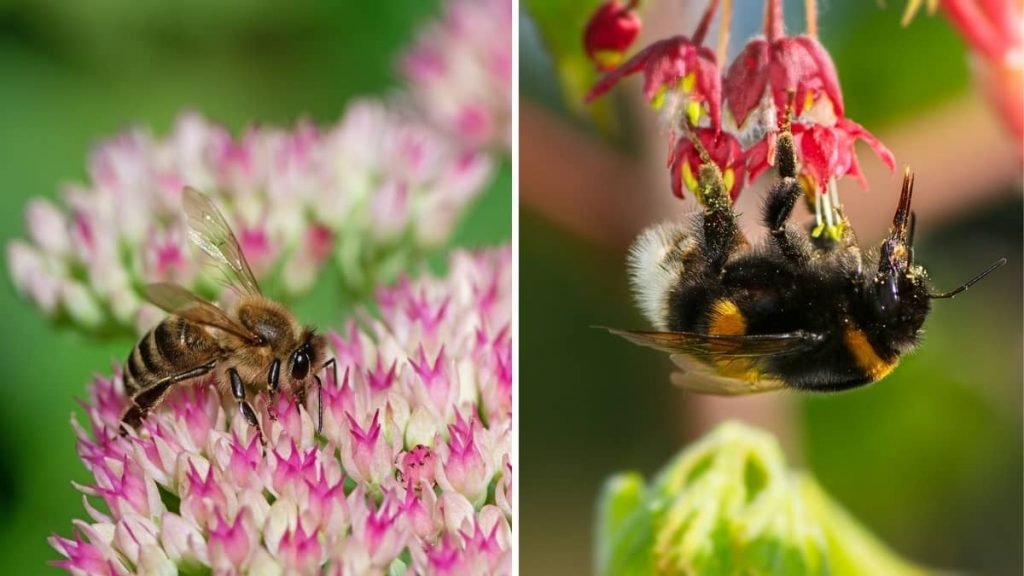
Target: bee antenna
970, 282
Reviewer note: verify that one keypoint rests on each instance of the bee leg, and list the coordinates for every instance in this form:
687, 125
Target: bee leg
274, 385
320, 393
144, 401
238, 391
721, 233
782, 198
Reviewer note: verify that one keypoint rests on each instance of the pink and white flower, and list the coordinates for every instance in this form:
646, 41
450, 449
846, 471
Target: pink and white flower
459, 72
193, 486
374, 192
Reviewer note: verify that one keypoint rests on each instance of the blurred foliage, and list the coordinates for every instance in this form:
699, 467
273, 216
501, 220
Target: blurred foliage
928, 460
75, 72
560, 24
728, 505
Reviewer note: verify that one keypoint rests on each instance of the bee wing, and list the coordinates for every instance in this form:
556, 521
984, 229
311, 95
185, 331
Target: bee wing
211, 232
721, 345
699, 378
180, 302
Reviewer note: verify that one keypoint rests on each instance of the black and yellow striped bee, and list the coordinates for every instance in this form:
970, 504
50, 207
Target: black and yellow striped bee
796, 312
255, 346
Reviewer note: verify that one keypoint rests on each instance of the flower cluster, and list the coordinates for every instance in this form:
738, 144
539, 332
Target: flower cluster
411, 472
372, 192
460, 72
729, 505
736, 112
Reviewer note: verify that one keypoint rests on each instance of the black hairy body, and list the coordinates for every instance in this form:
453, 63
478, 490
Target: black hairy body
796, 311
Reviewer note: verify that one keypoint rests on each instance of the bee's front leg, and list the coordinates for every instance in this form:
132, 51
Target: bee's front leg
238, 391
782, 198
274, 386
721, 233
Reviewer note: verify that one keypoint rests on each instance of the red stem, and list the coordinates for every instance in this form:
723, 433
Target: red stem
773, 20
705, 23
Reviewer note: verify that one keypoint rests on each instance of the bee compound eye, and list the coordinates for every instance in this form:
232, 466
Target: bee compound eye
300, 364
887, 295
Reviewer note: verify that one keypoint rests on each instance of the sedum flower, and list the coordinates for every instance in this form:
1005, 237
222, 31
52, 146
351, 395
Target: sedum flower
399, 480
728, 505
610, 32
371, 193
459, 72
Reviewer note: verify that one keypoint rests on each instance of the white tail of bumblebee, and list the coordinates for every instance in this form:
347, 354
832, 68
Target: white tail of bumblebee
655, 265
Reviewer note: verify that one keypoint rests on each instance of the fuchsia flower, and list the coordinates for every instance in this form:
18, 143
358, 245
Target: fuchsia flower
994, 30
610, 32
396, 481
459, 72
773, 70
370, 193
775, 79
684, 162
678, 73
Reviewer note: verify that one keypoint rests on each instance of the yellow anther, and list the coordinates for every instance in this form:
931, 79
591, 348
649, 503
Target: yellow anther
728, 178
693, 112
658, 100
608, 59
689, 179
688, 82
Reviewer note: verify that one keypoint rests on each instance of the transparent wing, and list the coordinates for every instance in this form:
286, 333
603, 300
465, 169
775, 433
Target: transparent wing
700, 378
211, 232
719, 345
180, 302
723, 365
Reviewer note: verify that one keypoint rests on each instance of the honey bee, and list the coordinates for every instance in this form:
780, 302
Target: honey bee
255, 346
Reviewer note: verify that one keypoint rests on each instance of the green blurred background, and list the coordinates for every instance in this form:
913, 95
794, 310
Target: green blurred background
75, 72
930, 460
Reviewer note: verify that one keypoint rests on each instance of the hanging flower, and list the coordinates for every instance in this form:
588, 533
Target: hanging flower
395, 482
459, 72
773, 70
610, 32
374, 191
724, 151
993, 32
680, 77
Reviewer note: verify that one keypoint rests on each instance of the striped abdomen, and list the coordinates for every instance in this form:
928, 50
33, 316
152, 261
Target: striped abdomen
174, 346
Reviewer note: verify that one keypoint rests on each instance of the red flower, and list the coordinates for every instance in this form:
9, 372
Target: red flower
674, 67
797, 64
611, 30
826, 153
684, 162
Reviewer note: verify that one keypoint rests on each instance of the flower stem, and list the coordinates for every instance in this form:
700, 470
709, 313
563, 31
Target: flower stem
811, 12
773, 20
723, 32
705, 22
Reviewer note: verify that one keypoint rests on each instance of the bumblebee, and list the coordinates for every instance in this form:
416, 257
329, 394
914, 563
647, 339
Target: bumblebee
797, 312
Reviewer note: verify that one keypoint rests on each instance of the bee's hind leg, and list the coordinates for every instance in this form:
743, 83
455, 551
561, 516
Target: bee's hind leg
238, 391
144, 401
782, 198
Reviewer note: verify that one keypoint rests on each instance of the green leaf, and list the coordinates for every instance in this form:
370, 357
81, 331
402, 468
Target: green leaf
561, 23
